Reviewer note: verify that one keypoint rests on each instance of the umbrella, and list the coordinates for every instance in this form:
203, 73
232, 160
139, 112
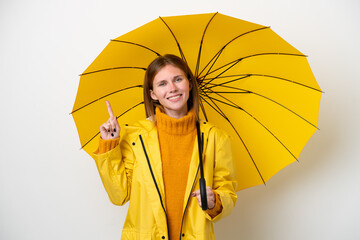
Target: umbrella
252, 83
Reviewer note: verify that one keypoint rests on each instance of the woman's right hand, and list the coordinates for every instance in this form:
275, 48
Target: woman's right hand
110, 129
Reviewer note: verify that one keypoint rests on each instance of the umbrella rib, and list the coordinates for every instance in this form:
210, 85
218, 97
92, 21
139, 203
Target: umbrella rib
136, 44
259, 54
217, 93
218, 109
114, 68
177, 42
267, 98
120, 90
217, 55
237, 133
129, 109
260, 75
238, 107
254, 55
203, 110
242, 76
236, 62
201, 43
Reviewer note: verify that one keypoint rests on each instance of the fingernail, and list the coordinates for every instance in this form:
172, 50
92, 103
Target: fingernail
112, 134
109, 130
114, 129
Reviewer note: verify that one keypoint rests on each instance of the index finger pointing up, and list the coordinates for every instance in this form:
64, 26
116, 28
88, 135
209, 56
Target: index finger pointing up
111, 114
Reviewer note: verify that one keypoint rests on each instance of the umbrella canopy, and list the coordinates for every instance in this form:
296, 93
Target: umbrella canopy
253, 84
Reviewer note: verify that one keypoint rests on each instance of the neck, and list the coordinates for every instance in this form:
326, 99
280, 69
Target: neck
176, 114
170, 125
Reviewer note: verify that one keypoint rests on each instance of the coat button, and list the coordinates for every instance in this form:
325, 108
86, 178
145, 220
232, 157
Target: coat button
126, 124
204, 122
183, 235
163, 237
133, 144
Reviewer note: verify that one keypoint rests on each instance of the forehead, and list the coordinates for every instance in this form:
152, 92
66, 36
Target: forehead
168, 72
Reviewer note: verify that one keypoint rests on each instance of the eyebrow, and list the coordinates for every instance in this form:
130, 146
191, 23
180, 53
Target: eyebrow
172, 78
178, 76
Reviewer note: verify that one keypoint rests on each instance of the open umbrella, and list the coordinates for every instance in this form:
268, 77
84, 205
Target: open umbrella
253, 84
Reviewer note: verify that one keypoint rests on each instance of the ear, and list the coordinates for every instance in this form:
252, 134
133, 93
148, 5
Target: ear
152, 95
190, 85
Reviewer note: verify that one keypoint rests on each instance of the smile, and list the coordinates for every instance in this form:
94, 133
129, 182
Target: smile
172, 98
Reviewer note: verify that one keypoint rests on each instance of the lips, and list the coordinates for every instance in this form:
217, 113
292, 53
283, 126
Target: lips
174, 98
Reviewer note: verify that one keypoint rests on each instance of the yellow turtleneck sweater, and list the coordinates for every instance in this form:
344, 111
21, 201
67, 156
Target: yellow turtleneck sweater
176, 139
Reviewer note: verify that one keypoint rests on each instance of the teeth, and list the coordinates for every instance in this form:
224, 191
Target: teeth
175, 97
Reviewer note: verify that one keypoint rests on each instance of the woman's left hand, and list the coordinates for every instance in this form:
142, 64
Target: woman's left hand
210, 197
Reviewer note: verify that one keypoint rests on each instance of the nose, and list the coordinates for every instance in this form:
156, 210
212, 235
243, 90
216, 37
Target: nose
172, 87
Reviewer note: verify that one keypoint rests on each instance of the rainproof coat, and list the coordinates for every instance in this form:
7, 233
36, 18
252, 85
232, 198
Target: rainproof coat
133, 171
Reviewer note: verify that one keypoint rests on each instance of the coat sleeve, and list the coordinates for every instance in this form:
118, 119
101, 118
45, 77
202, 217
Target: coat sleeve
224, 181
115, 168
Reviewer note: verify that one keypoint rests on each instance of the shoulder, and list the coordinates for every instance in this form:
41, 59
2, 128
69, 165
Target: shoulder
213, 131
137, 128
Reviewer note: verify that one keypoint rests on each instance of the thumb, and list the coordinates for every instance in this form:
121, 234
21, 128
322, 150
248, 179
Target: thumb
194, 194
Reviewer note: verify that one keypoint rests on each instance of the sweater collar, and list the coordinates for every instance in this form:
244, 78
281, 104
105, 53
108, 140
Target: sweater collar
184, 125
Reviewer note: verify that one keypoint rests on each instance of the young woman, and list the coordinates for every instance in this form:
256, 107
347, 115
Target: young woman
154, 163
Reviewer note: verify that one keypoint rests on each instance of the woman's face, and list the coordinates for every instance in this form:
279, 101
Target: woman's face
172, 89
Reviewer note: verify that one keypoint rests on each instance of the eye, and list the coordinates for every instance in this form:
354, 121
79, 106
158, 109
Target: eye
178, 79
160, 84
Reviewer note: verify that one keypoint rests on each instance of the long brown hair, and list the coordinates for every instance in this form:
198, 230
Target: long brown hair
154, 67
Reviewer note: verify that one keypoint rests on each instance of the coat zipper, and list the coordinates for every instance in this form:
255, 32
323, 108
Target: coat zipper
153, 177
187, 203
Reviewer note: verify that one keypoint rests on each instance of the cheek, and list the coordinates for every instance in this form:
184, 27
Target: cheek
153, 95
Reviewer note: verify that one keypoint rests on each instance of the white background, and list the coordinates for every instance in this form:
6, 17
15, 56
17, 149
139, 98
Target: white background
51, 190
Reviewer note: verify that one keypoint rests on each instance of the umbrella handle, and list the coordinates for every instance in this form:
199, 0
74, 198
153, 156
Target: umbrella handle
203, 196
202, 181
